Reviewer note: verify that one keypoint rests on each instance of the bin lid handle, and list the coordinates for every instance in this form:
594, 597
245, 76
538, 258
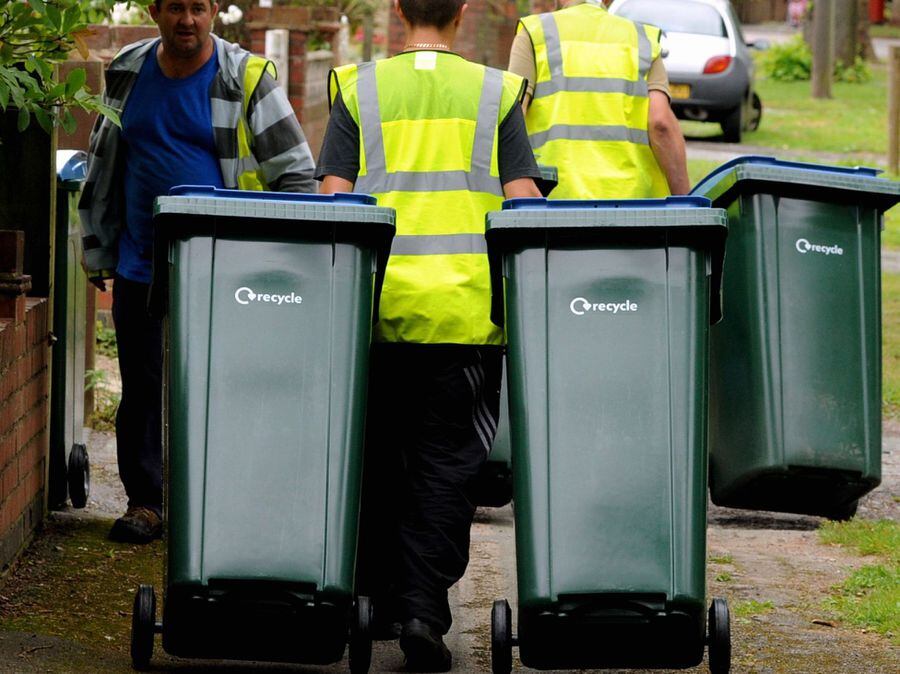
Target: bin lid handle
767, 160
210, 192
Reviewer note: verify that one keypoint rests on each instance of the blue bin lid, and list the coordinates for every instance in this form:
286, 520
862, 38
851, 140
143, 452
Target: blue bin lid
532, 203
535, 223
71, 165
208, 191
819, 182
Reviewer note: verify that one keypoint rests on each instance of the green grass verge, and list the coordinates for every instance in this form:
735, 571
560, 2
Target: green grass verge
890, 333
884, 30
746, 609
870, 597
866, 537
853, 121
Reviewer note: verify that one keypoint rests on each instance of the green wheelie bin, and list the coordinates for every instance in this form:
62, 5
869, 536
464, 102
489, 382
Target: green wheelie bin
795, 367
493, 486
68, 464
269, 300
607, 314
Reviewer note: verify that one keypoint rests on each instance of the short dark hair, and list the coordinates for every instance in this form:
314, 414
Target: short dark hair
436, 13
159, 3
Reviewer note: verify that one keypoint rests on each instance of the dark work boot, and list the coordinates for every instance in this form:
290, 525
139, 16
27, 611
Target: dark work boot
137, 525
424, 648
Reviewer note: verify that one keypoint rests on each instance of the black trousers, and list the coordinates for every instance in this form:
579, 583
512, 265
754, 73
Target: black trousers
432, 416
139, 420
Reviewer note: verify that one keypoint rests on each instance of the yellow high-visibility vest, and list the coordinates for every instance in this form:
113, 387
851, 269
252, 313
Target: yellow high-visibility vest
589, 114
428, 124
250, 176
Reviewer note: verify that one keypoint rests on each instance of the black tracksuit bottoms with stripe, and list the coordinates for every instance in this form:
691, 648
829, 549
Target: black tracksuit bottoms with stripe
432, 417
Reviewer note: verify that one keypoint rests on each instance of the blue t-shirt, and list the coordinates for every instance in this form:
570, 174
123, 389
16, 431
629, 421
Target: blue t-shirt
168, 134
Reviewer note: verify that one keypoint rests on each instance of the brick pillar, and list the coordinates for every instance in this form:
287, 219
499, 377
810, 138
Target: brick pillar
24, 357
297, 70
13, 283
258, 40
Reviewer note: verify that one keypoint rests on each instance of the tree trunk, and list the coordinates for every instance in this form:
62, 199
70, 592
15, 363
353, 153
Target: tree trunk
845, 31
863, 39
822, 47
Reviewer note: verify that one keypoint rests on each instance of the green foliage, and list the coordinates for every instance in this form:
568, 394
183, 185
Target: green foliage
721, 559
724, 577
790, 61
106, 340
857, 73
36, 36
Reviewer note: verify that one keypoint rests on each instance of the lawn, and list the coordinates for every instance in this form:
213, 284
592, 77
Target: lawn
870, 596
852, 123
890, 333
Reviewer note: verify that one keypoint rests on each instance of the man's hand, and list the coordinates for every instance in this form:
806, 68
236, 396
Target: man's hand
97, 277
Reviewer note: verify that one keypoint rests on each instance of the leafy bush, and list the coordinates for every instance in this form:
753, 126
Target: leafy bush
790, 61
106, 340
36, 36
857, 73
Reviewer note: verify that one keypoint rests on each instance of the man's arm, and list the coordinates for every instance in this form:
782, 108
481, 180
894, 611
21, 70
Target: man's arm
521, 62
339, 157
521, 187
333, 184
667, 143
279, 144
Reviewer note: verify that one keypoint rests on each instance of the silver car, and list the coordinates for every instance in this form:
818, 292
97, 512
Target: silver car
709, 62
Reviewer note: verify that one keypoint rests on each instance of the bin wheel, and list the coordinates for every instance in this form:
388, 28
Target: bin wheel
756, 111
143, 627
361, 637
719, 638
844, 512
501, 637
78, 475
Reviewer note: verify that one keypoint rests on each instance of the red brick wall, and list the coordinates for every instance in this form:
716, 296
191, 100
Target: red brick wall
24, 390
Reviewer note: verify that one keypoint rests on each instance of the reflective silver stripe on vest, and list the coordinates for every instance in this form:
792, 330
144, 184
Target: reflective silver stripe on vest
577, 132
594, 85
486, 125
439, 244
645, 51
479, 179
370, 119
553, 45
600, 85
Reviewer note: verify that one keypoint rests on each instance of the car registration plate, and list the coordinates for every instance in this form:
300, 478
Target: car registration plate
680, 90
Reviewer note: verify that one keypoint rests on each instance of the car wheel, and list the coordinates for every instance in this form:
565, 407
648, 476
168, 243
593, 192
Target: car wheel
755, 113
731, 125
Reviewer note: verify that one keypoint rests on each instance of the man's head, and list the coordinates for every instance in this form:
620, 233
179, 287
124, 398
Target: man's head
436, 13
184, 25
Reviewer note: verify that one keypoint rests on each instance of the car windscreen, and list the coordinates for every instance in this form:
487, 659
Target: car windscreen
676, 16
